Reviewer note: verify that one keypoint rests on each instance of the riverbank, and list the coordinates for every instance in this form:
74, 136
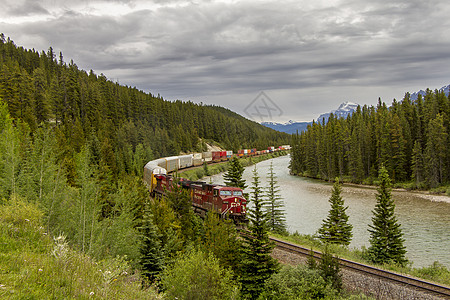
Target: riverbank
437, 195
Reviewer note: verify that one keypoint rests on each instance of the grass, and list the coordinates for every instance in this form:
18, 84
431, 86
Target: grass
36, 266
213, 169
436, 272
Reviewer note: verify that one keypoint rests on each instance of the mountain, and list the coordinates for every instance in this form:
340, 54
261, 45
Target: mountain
445, 89
291, 127
343, 111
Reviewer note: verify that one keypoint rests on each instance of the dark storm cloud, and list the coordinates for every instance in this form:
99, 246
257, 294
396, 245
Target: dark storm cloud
223, 49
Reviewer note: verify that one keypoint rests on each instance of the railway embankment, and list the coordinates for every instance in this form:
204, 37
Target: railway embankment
379, 284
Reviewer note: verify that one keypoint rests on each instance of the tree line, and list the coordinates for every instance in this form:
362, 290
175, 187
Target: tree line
84, 108
410, 139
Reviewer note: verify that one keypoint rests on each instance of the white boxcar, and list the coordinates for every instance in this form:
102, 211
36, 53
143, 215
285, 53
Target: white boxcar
185, 161
172, 163
206, 155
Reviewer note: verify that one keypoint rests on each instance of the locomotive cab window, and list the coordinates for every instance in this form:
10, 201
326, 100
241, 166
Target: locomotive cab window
225, 193
215, 192
237, 193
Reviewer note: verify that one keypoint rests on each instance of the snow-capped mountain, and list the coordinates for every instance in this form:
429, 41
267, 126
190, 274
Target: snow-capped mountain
445, 89
290, 127
343, 111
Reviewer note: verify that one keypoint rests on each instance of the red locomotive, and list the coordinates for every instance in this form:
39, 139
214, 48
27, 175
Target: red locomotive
227, 201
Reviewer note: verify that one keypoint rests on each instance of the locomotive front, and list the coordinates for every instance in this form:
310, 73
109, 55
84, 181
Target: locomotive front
232, 200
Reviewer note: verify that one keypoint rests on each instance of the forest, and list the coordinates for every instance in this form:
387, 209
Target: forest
85, 108
410, 139
73, 146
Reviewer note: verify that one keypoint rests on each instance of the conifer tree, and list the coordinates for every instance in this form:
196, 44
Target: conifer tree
233, 177
151, 260
329, 269
274, 206
386, 238
335, 228
257, 264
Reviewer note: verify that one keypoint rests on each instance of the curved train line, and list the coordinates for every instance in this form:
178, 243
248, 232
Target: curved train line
418, 284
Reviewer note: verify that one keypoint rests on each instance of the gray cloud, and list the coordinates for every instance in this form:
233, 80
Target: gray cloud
311, 55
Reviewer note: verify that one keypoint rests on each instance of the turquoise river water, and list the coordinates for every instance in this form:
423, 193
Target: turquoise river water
424, 219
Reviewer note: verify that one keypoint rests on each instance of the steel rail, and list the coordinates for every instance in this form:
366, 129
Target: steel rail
418, 284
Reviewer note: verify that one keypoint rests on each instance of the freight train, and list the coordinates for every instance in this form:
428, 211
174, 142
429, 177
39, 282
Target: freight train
228, 202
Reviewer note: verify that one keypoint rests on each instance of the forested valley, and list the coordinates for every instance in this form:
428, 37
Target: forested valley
73, 145
410, 139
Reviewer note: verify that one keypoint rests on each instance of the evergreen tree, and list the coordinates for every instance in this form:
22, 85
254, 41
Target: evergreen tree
386, 238
151, 251
257, 264
274, 206
221, 239
329, 269
233, 177
335, 228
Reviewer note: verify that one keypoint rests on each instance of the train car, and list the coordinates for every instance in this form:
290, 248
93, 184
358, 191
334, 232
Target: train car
197, 159
207, 156
185, 161
152, 169
228, 202
216, 156
223, 155
172, 163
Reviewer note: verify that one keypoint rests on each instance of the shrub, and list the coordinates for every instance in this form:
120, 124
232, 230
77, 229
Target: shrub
297, 282
196, 275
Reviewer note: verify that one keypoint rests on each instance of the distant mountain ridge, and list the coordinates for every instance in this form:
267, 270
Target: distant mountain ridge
343, 111
445, 89
291, 127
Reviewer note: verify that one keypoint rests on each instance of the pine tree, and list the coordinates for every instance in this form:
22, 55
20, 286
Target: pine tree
274, 206
233, 177
257, 264
151, 260
329, 269
335, 228
386, 238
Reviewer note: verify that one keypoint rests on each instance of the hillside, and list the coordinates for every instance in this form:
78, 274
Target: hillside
73, 145
40, 89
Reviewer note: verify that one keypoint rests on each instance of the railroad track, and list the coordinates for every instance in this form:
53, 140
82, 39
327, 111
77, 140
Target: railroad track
410, 282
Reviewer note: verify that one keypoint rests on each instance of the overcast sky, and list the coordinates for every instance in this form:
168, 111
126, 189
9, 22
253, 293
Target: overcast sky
306, 56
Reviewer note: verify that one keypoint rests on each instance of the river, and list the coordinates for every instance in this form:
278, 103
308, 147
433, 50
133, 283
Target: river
425, 223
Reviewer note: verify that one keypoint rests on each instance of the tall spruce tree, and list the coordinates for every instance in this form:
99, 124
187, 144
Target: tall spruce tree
386, 238
274, 206
233, 177
257, 264
335, 228
151, 260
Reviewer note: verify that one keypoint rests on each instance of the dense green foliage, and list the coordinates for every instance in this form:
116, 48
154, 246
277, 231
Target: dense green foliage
197, 276
35, 266
233, 176
257, 264
274, 205
298, 282
73, 145
410, 139
38, 88
335, 228
386, 237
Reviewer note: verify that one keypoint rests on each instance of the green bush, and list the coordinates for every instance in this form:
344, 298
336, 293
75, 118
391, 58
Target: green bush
297, 282
196, 275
